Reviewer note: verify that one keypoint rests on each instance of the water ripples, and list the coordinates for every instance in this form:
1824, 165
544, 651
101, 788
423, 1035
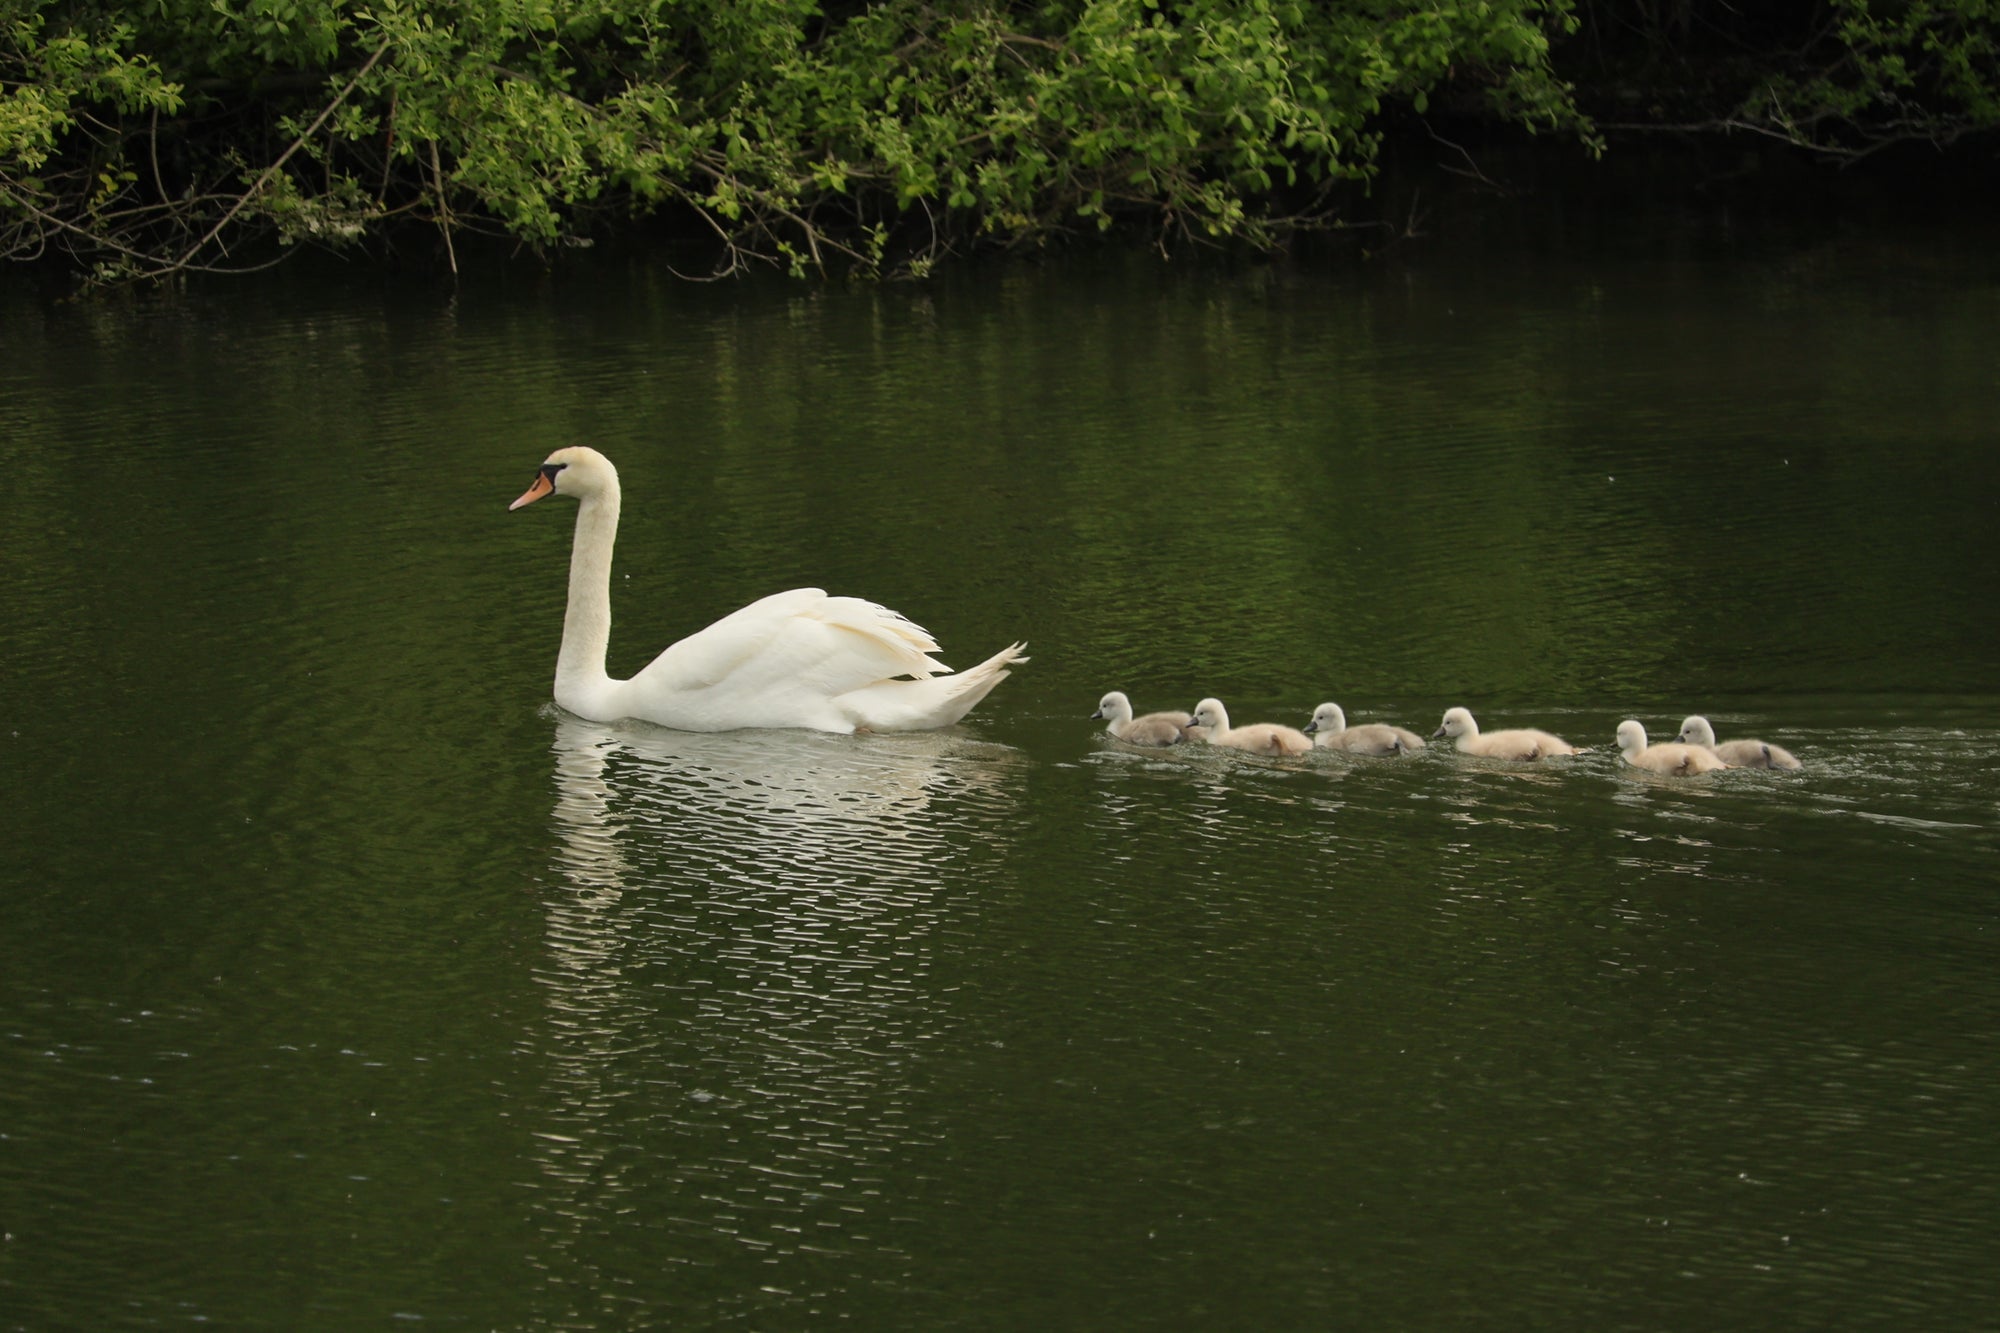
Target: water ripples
330, 946
738, 959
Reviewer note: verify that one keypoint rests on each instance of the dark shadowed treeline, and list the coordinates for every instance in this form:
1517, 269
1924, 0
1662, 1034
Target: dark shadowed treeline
142, 142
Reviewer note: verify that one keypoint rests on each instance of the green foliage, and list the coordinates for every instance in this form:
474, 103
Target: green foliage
797, 135
1899, 70
47, 76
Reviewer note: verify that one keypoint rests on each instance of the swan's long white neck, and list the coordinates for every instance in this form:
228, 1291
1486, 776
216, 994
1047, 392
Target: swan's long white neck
581, 681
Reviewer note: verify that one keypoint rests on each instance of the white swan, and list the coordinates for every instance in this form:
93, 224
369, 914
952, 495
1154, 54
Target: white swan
793, 659
1671, 757
1168, 728
1737, 754
1522, 743
1212, 721
1330, 731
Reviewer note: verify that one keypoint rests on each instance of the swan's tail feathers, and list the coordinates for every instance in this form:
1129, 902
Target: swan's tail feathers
935, 701
964, 690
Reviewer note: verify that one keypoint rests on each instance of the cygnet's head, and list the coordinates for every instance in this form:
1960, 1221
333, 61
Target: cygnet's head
1211, 714
1327, 717
1457, 722
1631, 736
1114, 707
578, 471
1696, 731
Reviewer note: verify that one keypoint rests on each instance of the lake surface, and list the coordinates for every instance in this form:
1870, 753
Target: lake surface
344, 981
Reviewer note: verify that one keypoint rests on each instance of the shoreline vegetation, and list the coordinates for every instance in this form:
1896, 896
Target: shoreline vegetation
881, 137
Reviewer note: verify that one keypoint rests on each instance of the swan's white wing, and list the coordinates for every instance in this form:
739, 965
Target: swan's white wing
782, 659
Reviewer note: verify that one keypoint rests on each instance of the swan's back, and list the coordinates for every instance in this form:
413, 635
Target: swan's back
1677, 760
1263, 738
1520, 743
843, 642
1152, 729
1756, 754
1374, 738
805, 659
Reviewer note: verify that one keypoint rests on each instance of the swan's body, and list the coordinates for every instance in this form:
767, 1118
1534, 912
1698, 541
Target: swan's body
1670, 757
1211, 724
1168, 728
1330, 731
793, 659
1737, 754
1521, 744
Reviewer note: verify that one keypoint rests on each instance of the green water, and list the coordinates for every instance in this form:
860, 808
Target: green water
345, 982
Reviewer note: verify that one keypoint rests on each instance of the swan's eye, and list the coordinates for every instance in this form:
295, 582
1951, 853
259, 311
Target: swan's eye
549, 470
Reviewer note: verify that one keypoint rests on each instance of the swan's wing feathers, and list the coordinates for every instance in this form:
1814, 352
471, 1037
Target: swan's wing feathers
802, 640
907, 641
710, 655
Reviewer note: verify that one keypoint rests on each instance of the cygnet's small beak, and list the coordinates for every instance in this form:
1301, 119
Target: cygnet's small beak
1099, 713
1311, 727
543, 486
1435, 735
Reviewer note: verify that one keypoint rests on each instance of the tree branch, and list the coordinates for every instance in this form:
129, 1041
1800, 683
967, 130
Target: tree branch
284, 157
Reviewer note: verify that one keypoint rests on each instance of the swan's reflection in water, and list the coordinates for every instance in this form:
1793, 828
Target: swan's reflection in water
738, 959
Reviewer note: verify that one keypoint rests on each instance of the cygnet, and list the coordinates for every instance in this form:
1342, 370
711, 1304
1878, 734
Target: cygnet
1522, 744
1330, 731
1258, 737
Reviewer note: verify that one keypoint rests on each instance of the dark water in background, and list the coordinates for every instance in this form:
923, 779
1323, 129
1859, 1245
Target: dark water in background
343, 981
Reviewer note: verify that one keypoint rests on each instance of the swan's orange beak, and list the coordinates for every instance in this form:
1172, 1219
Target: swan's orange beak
543, 486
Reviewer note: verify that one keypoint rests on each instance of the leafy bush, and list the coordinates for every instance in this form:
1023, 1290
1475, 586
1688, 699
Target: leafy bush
1892, 73
153, 139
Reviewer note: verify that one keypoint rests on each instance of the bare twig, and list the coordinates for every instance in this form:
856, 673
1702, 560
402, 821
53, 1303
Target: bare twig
64, 225
1471, 169
444, 208
256, 186
388, 148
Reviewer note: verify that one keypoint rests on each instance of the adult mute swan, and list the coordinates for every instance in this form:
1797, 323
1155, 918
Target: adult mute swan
1737, 754
1670, 757
1148, 729
1522, 743
793, 659
1330, 731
